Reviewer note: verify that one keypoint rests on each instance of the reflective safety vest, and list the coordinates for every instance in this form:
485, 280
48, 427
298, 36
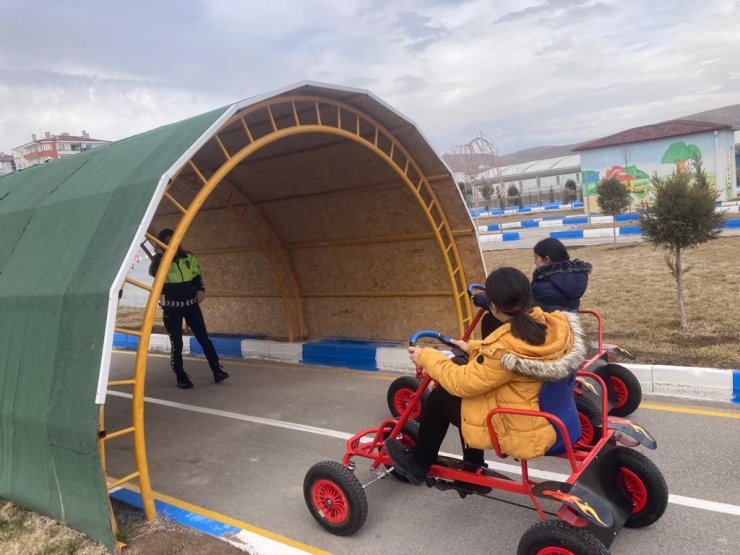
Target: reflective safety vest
183, 269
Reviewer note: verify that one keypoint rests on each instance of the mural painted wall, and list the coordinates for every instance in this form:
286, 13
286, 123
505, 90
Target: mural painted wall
633, 164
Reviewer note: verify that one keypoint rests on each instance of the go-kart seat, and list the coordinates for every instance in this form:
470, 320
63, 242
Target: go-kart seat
557, 399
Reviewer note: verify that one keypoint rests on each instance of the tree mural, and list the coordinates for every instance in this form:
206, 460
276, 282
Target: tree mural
679, 153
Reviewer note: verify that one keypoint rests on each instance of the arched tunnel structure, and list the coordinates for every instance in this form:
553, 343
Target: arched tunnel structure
315, 211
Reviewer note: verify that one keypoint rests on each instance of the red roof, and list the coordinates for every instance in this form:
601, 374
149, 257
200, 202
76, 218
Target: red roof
672, 128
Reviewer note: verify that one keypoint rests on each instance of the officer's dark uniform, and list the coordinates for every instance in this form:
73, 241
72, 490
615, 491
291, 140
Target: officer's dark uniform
178, 301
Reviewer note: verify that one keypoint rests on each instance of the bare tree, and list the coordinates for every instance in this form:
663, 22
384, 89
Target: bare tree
479, 156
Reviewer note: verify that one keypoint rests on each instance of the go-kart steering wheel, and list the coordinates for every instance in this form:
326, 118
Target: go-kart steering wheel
459, 354
431, 334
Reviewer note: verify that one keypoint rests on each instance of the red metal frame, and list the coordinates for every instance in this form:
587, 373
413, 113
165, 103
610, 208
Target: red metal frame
369, 444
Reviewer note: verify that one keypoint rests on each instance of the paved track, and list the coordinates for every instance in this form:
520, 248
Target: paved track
252, 469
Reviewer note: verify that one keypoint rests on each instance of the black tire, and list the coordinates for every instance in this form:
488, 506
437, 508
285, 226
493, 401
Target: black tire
589, 414
409, 433
335, 498
559, 536
399, 392
622, 385
639, 480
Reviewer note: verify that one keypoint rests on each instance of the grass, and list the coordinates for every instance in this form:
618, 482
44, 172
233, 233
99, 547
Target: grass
634, 291
27, 533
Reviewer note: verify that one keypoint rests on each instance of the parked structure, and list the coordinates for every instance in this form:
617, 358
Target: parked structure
7, 165
53, 147
634, 155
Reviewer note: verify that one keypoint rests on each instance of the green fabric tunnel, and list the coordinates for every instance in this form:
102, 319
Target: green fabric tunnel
368, 236
65, 231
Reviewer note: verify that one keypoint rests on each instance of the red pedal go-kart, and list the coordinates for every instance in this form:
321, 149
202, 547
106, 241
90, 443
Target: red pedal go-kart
609, 484
623, 387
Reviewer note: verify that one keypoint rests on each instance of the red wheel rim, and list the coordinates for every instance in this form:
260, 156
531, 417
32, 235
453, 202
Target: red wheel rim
554, 551
330, 502
635, 488
401, 400
621, 390
587, 430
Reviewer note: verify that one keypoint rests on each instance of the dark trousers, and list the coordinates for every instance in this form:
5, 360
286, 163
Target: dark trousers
441, 410
173, 317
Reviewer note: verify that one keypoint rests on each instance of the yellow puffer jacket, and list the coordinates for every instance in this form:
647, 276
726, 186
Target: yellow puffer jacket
504, 371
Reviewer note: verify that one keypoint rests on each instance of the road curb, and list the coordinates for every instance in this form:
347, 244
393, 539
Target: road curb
715, 384
247, 538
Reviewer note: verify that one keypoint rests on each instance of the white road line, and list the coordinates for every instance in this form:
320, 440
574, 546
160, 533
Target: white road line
692, 502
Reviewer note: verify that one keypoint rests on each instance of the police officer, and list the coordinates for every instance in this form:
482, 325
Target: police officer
181, 296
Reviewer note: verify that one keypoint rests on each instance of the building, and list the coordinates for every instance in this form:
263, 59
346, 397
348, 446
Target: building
633, 156
7, 165
52, 147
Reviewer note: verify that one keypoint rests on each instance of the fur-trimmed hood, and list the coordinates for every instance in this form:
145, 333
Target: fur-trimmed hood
564, 266
552, 370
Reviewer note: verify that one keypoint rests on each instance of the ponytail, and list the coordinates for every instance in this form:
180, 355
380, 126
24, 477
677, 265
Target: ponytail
526, 328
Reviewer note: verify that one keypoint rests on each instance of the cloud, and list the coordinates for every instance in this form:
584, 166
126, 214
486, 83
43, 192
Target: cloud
539, 72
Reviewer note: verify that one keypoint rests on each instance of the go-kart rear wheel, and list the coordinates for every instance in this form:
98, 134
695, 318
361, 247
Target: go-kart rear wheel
407, 437
399, 394
624, 388
555, 537
589, 415
640, 481
335, 498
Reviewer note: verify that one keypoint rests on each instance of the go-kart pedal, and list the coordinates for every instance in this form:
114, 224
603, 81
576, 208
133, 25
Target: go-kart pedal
403, 461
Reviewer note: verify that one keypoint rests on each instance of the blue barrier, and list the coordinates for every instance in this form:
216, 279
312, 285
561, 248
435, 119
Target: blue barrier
493, 227
575, 220
731, 224
226, 346
530, 223
125, 341
524, 210
511, 236
578, 204
630, 230
736, 386
345, 353
570, 234
552, 206
628, 217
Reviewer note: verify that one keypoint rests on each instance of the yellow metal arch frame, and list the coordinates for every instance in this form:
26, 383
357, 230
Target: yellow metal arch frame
392, 152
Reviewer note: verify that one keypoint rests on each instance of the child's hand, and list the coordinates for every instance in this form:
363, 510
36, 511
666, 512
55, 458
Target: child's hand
463, 345
414, 354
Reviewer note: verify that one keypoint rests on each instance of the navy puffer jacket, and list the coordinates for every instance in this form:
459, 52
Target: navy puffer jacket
560, 285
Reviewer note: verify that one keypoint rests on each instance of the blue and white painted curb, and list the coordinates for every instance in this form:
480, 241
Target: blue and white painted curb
575, 221
714, 384
246, 540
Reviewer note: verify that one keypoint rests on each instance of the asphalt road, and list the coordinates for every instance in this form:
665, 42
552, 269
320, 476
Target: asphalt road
249, 460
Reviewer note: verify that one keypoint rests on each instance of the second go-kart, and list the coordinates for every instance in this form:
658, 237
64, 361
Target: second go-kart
609, 484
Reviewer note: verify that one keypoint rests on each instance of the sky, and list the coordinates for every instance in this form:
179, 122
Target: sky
523, 73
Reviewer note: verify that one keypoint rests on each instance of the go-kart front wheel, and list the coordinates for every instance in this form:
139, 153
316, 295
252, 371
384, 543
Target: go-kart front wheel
555, 537
399, 395
335, 498
642, 483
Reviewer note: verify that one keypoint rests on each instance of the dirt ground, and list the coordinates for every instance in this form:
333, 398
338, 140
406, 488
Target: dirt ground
27, 533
